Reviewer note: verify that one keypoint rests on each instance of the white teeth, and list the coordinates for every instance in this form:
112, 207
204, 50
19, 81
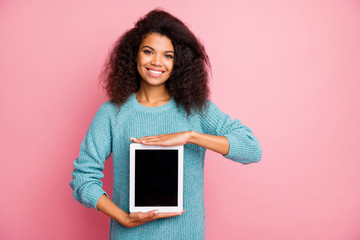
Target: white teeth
155, 72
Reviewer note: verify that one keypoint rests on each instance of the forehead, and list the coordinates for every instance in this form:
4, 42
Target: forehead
158, 42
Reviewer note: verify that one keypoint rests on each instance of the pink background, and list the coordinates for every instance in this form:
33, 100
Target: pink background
289, 70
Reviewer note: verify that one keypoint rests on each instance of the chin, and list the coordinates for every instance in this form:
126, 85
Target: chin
155, 81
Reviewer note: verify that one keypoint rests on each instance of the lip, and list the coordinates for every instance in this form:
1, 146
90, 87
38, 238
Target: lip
154, 75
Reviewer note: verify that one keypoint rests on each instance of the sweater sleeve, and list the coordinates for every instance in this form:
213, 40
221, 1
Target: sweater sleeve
244, 147
88, 167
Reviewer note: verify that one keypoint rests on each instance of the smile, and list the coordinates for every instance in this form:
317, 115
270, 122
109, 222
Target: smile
154, 73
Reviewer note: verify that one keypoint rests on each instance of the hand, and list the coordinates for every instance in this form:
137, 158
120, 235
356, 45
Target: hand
171, 139
107, 206
138, 218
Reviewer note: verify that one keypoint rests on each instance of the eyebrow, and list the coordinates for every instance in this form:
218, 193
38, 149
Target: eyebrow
154, 49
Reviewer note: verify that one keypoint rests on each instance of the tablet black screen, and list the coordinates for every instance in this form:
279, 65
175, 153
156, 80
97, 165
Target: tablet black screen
156, 177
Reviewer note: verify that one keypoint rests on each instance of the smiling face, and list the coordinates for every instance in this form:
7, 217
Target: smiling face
155, 59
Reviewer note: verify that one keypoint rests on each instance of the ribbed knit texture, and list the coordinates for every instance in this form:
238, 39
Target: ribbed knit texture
110, 132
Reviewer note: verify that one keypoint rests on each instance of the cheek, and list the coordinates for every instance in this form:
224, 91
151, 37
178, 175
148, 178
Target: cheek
141, 63
170, 66
138, 65
142, 59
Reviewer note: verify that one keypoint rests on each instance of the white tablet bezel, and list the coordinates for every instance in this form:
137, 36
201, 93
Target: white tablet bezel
179, 207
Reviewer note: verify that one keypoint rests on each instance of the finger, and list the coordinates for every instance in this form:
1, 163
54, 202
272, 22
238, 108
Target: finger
168, 215
135, 140
143, 138
160, 136
148, 137
157, 143
138, 140
149, 140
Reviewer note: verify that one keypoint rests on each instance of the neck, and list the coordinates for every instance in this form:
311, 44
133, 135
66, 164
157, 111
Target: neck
152, 96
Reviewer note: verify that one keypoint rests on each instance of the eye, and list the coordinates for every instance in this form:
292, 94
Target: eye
169, 56
147, 52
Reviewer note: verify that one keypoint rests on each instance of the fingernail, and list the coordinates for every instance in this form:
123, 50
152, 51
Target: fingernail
143, 141
156, 212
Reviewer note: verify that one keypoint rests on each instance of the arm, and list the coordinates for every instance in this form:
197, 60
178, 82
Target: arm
220, 134
219, 144
88, 167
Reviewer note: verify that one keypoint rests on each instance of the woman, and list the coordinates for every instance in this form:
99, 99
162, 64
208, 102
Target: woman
157, 81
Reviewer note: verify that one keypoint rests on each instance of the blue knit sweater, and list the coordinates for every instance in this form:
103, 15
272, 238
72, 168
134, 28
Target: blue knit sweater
110, 132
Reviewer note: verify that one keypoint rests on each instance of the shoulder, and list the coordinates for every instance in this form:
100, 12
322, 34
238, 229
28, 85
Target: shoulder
210, 113
108, 108
111, 108
213, 115
210, 110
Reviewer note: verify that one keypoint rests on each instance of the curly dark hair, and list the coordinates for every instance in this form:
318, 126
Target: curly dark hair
188, 82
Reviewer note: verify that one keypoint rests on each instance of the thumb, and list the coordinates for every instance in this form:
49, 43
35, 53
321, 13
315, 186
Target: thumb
150, 214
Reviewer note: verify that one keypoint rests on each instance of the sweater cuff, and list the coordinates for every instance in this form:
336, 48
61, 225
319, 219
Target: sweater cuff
232, 151
93, 194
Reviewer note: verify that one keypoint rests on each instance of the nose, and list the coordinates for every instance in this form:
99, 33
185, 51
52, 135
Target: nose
156, 60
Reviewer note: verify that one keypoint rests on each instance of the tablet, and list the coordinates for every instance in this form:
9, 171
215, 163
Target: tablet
156, 178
